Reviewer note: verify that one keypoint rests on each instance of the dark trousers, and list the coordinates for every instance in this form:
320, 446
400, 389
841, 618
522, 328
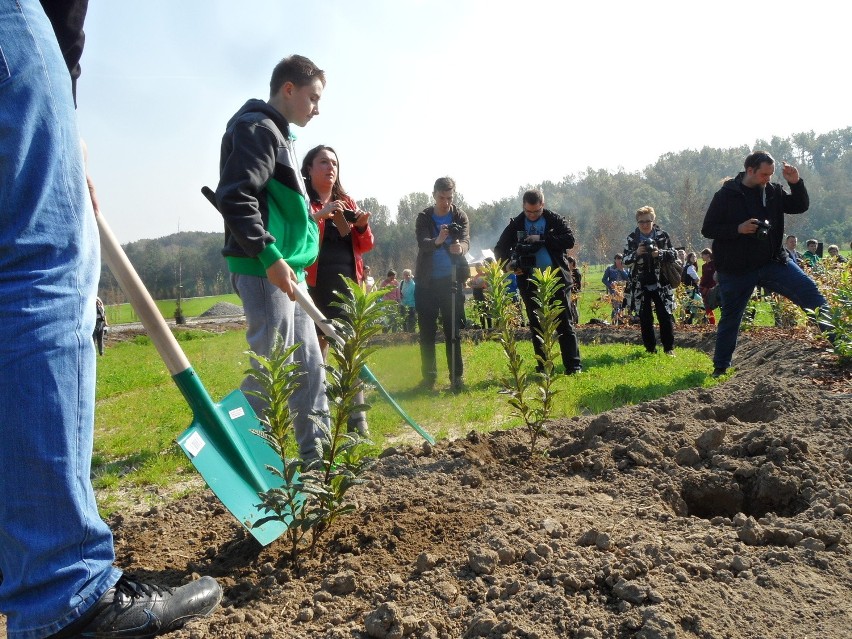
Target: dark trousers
431, 299
654, 300
409, 319
568, 346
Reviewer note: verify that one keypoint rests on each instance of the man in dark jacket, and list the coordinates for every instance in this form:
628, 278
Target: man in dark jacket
443, 237
537, 226
745, 220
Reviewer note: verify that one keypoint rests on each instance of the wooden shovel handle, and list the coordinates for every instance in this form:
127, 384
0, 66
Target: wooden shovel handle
141, 301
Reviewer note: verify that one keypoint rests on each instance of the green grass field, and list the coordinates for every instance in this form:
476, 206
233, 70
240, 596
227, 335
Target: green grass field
140, 411
191, 307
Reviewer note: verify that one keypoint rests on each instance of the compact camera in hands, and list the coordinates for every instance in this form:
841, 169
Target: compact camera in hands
763, 227
351, 216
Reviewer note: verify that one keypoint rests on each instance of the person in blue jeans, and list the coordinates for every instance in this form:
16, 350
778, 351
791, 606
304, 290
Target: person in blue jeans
57, 577
745, 220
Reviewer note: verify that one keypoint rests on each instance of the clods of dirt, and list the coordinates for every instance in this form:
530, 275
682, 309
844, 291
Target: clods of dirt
722, 512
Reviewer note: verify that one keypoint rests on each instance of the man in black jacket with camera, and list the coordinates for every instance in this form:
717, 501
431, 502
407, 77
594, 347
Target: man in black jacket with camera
745, 220
537, 238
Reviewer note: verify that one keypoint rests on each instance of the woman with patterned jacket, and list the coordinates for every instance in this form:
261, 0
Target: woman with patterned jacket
647, 248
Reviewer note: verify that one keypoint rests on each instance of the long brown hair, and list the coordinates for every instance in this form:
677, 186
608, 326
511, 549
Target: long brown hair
337, 190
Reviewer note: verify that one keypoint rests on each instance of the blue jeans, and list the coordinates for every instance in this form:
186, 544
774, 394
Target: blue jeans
736, 289
270, 313
56, 553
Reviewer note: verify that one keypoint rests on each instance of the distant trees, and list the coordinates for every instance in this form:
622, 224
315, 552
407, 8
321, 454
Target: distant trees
190, 259
600, 206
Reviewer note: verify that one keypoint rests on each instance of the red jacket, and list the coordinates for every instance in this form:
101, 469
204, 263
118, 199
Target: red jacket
362, 242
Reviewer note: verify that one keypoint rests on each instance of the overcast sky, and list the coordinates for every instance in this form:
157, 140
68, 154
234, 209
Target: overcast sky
496, 94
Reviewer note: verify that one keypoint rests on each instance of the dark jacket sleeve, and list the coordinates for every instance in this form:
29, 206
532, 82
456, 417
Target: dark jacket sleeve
243, 178
558, 237
460, 218
425, 231
630, 247
797, 200
508, 239
664, 245
717, 225
67, 17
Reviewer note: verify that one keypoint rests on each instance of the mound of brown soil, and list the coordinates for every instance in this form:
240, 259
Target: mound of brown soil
709, 513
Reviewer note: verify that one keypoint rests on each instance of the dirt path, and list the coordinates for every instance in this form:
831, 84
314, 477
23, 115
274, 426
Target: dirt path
709, 513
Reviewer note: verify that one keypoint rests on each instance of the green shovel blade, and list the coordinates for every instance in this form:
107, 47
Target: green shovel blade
233, 460
367, 375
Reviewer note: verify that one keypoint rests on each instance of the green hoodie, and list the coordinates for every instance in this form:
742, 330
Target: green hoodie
261, 195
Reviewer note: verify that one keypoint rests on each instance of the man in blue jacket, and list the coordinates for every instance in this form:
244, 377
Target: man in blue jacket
745, 220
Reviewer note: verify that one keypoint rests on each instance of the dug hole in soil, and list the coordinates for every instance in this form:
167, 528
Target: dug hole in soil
722, 512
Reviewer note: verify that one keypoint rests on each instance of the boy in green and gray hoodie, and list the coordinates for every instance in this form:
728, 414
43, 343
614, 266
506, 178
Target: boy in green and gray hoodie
270, 236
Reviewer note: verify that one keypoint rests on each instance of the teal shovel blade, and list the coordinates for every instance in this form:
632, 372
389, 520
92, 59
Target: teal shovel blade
367, 376
233, 460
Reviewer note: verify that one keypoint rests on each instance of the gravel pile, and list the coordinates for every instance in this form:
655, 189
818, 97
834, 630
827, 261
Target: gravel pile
222, 309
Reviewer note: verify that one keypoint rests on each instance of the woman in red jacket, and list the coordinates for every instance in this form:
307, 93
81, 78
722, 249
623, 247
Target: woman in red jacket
344, 235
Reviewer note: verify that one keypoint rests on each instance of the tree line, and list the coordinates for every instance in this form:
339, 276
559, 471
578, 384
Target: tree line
598, 204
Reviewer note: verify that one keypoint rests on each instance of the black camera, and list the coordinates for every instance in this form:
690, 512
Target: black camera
350, 216
646, 263
455, 230
763, 227
522, 256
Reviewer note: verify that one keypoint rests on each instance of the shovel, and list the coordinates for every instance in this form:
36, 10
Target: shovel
366, 374
220, 443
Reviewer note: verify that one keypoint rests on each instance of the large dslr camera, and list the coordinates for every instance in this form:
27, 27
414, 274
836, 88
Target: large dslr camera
522, 255
762, 231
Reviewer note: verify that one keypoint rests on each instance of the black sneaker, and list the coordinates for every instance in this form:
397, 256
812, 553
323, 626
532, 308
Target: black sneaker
137, 610
457, 385
718, 372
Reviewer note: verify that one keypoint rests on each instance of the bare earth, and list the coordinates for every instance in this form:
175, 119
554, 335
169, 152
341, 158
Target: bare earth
709, 513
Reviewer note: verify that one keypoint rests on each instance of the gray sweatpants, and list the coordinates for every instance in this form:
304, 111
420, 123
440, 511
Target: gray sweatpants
269, 311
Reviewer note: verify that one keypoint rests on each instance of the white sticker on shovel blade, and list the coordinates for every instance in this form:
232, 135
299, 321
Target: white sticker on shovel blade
234, 413
194, 443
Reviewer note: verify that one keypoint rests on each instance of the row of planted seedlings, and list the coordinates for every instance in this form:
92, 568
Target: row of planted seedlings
314, 493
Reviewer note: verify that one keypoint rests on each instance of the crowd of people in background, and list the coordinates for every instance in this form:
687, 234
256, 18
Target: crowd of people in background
289, 227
